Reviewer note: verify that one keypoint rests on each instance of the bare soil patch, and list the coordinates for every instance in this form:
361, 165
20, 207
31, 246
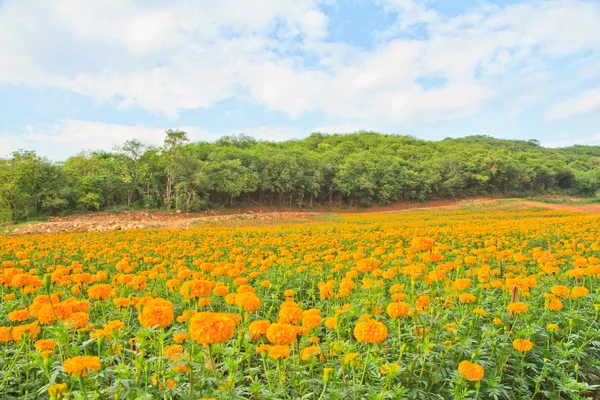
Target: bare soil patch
108, 221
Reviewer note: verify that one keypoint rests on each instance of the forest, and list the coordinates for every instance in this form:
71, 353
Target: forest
359, 170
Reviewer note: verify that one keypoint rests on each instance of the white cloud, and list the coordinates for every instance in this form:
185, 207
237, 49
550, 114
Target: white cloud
572, 140
67, 138
188, 54
583, 103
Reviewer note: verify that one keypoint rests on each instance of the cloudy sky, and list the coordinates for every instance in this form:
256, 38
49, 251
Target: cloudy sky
90, 74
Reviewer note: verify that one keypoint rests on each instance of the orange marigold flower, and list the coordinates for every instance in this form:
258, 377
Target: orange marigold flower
370, 331
522, 345
309, 352
289, 293
517, 308
25, 331
180, 337
210, 327
579, 291
100, 291
471, 371
467, 298
311, 320
80, 365
247, 301
398, 309
45, 346
18, 315
560, 290
258, 328
155, 312
282, 334
195, 288
554, 304
279, 351
331, 323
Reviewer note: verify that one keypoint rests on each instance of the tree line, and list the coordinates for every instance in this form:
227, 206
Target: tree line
361, 169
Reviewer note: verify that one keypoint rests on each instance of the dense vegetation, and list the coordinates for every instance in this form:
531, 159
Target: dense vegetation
356, 169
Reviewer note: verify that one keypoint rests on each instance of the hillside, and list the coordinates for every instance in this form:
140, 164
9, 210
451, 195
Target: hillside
360, 169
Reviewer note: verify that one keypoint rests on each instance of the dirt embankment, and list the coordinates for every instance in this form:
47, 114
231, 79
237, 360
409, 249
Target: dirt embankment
107, 221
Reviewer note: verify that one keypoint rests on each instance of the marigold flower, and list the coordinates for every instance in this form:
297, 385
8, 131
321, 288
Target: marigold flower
517, 308
45, 346
522, 345
309, 352
552, 327
180, 337
258, 328
18, 315
279, 351
399, 309
579, 291
389, 369
101, 291
80, 365
209, 327
471, 371
155, 312
370, 331
247, 301
467, 298
282, 334
57, 390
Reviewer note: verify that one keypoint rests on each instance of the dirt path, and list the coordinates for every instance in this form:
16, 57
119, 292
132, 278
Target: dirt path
106, 221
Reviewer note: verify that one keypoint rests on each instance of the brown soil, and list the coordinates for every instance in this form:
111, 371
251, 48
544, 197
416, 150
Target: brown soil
105, 221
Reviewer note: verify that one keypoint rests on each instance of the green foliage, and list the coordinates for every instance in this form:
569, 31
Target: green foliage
360, 169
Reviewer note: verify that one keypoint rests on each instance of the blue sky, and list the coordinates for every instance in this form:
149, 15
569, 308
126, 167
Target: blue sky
83, 75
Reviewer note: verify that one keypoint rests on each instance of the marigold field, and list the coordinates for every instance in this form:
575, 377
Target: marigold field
421, 305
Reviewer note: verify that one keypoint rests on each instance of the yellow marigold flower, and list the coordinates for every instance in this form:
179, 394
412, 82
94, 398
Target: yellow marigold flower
57, 390
309, 352
522, 345
350, 357
517, 308
282, 334
115, 325
210, 327
389, 369
398, 309
497, 321
552, 327
80, 365
471, 371
370, 331
480, 311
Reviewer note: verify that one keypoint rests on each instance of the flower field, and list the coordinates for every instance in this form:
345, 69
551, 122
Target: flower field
420, 305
